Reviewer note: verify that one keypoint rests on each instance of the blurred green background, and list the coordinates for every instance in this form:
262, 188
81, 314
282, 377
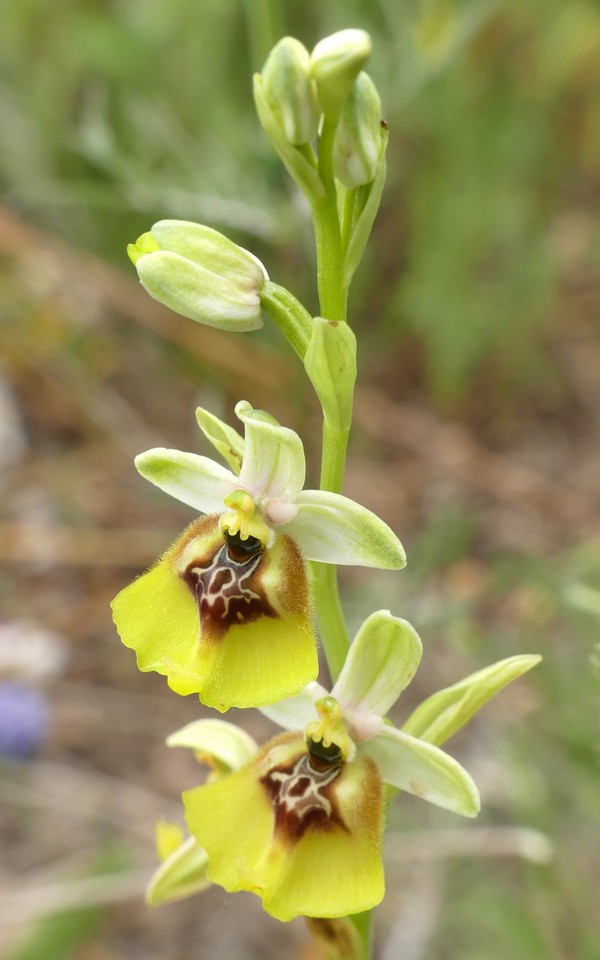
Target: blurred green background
476, 438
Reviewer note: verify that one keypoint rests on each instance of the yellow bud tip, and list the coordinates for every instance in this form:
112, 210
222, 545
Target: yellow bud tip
168, 837
143, 245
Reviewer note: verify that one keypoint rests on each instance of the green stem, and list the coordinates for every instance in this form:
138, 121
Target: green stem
364, 925
263, 23
347, 219
294, 321
333, 306
332, 296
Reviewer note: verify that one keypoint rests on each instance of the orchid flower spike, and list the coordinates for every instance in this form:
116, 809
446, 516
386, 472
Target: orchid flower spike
301, 823
225, 613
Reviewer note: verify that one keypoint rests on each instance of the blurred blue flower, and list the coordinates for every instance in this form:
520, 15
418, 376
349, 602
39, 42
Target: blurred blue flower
24, 719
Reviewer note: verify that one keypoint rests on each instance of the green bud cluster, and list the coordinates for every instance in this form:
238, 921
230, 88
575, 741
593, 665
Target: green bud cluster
298, 91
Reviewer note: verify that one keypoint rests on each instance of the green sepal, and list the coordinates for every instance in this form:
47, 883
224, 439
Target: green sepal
224, 438
181, 874
298, 161
440, 716
330, 363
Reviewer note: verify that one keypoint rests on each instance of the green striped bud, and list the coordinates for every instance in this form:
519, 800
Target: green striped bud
200, 274
290, 90
359, 135
335, 63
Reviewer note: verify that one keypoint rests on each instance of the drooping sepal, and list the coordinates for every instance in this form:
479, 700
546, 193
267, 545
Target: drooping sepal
183, 870
232, 627
303, 835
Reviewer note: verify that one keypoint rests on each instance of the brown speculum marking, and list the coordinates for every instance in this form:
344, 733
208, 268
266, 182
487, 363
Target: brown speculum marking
303, 796
228, 589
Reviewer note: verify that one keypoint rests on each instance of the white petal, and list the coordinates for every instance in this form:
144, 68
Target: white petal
195, 480
380, 663
420, 768
294, 713
274, 465
227, 743
331, 528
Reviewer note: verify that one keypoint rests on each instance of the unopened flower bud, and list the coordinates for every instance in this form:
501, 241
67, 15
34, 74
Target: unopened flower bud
358, 137
335, 63
200, 274
290, 90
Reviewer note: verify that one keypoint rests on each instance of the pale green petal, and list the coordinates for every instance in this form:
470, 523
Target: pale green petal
381, 662
294, 713
331, 528
445, 712
225, 743
183, 873
224, 438
195, 480
274, 465
424, 770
